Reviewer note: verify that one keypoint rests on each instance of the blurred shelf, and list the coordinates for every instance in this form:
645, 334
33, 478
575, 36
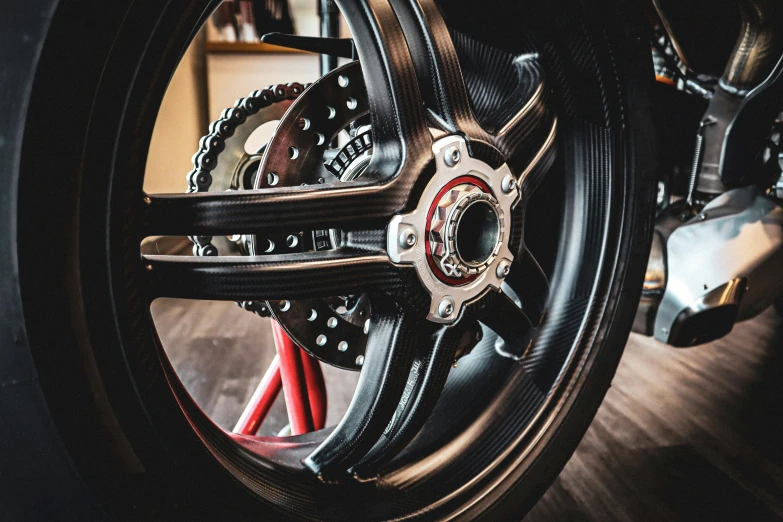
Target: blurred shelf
249, 48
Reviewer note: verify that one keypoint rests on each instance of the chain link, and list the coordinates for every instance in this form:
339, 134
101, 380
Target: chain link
211, 145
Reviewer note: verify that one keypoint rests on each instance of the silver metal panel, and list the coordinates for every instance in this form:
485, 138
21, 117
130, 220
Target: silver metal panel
738, 234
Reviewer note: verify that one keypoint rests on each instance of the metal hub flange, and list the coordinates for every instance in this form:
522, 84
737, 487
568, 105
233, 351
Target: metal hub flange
457, 238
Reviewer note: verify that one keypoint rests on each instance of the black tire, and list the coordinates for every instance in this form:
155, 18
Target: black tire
92, 428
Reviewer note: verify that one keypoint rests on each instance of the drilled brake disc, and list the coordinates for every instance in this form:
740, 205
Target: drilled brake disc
322, 137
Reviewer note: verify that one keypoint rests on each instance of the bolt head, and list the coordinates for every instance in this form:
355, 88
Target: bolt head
508, 184
452, 156
408, 237
503, 268
446, 307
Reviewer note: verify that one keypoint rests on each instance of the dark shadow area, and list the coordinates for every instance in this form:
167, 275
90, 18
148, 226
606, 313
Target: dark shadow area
691, 434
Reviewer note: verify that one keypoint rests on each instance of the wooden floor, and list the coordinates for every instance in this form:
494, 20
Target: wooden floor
220, 353
693, 434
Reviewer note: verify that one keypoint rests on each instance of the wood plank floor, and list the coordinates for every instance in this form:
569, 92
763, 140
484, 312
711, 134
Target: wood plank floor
220, 353
693, 434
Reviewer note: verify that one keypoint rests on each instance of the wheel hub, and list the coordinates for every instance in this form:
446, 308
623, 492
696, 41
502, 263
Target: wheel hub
464, 216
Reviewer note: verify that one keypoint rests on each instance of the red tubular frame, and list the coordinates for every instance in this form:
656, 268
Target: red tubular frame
300, 377
261, 402
294, 382
316, 389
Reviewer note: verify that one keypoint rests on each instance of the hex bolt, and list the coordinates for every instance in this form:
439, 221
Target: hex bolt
446, 307
504, 267
508, 184
408, 237
452, 156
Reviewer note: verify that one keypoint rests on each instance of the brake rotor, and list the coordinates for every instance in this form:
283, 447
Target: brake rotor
306, 135
308, 148
323, 137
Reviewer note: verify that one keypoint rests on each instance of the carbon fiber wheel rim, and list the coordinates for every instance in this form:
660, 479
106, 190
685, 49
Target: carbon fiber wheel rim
461, 451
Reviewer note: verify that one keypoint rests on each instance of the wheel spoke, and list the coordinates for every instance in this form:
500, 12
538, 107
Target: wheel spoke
518, 131
274, 277
516, 320
401, 137
529, 282
394, 336
437, 66
425, 384
503, 316
271, 209
538, 166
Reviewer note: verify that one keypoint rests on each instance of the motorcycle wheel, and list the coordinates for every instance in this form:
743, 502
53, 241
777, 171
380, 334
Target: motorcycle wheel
96, 424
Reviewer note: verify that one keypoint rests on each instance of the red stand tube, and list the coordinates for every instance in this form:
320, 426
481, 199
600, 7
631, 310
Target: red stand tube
294, 384
261, 402
316, 389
